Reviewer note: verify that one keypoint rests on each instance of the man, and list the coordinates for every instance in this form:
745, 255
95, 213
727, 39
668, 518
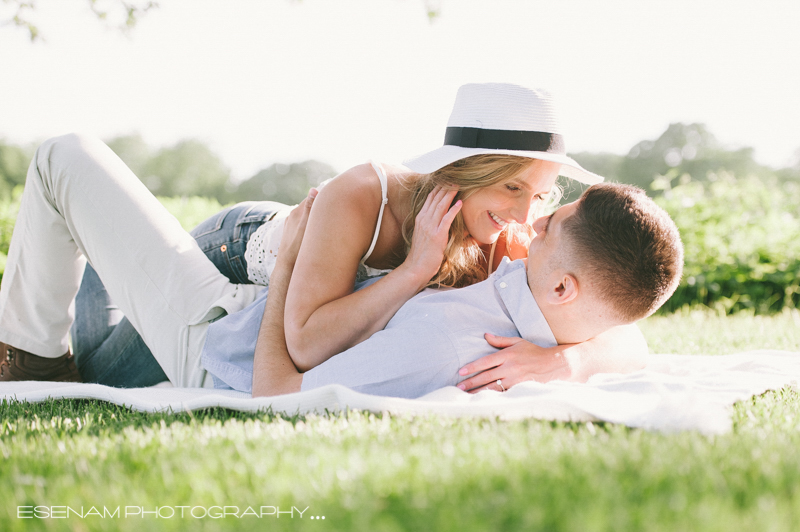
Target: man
611, 258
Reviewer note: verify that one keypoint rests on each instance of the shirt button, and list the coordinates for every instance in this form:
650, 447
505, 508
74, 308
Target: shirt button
503, 285
223, 248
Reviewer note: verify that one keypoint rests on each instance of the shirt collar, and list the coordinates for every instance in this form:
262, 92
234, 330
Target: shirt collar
511, 283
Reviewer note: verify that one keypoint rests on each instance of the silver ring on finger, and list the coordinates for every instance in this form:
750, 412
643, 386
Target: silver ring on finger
500, 384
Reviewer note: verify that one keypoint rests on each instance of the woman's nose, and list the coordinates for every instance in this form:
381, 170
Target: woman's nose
521, 211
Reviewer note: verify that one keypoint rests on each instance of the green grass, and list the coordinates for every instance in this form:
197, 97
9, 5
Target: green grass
700, 331
386, 473
190, 211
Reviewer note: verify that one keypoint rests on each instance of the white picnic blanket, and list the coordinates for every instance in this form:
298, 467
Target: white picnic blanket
674, 392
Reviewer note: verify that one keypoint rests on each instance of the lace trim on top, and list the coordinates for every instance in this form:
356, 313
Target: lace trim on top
261, 253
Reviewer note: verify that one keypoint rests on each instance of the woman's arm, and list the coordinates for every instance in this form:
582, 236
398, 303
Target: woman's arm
622, 349
323, 314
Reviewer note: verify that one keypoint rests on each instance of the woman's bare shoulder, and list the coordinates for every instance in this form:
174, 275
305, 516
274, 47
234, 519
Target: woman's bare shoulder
347, 209
344, 213
359, 188
355, 185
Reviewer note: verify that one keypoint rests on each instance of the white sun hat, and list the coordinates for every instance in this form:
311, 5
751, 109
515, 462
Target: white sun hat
503, 118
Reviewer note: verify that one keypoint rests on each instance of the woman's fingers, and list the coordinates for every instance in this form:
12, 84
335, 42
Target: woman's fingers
517, 361
447, 221
446, 211
501, 342
483, 363
487, 369
438, 209
429, 201
493, 360
504, 365
431, 232
484, 378
491, 386
443, 200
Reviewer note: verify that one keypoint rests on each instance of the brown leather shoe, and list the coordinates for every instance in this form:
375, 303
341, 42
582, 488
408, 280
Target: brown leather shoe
19, 365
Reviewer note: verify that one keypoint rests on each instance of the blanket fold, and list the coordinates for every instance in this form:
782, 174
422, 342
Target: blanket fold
674, 392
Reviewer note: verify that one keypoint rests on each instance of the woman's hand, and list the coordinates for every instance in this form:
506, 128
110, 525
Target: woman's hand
518, 360
621, 349
431, 233
294, 228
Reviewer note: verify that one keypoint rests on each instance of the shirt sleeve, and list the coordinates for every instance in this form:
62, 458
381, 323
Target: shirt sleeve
407, 361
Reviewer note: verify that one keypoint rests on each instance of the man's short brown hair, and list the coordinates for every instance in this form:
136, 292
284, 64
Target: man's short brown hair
628, 245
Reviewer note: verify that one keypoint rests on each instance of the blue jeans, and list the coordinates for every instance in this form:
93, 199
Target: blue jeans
107, 348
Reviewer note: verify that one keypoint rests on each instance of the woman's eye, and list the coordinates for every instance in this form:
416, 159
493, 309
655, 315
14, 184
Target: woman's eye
512, 188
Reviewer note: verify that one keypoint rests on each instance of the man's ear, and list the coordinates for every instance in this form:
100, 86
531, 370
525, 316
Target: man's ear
565, 291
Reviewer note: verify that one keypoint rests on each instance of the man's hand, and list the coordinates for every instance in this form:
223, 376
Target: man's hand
294, 228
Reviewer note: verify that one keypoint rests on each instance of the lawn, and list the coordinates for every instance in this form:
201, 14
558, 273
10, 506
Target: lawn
373, 473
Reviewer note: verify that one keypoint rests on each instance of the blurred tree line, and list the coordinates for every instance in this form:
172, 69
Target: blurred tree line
739, 220
682, 150
187, 168
190, 168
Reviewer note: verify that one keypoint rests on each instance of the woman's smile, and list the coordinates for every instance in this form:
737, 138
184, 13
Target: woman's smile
497, 221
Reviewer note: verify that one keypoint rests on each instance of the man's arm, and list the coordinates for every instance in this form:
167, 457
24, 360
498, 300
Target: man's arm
274, 373
407, 361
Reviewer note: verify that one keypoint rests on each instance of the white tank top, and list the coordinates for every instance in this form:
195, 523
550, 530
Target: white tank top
262, 248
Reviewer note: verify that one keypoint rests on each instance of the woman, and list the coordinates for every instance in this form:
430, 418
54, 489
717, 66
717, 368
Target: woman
399, 222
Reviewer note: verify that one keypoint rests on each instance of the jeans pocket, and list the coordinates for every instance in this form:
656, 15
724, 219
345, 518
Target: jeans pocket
224, 236
210, 225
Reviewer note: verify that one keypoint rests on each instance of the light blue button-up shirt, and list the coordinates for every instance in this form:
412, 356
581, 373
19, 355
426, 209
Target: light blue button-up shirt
421, 348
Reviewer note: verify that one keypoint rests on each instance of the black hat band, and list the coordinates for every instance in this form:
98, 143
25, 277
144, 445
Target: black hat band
502, 139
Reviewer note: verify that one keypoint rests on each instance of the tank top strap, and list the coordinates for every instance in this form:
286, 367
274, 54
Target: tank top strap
385, 199
491, 257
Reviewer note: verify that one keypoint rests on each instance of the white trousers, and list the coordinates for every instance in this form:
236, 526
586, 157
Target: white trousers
81, 202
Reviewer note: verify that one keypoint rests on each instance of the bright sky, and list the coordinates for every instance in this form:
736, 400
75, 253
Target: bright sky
343, 81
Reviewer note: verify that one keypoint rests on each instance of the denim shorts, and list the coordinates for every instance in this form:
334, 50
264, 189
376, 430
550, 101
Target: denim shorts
107, 349
224, 236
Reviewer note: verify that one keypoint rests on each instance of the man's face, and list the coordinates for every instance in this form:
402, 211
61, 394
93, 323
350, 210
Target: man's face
544, 253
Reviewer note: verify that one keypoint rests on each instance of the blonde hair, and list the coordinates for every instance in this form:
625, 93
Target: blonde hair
462, 256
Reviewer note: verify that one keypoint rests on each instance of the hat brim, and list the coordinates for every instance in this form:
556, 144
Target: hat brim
433, 160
